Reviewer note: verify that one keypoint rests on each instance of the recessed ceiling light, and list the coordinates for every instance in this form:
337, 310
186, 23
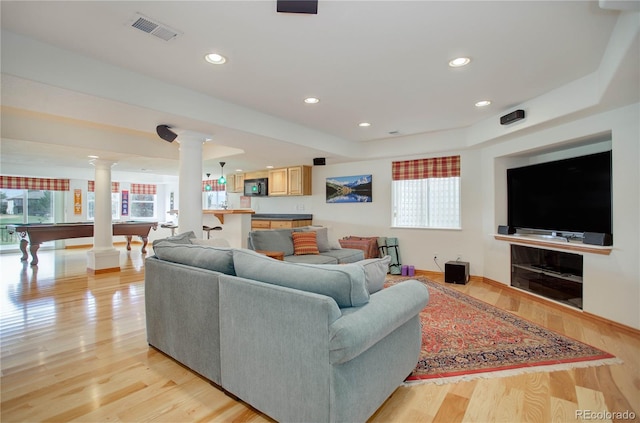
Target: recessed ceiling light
483, 103
93, 157
215, 58
459, 61
238, 170
270, 167
311, 100
364, 124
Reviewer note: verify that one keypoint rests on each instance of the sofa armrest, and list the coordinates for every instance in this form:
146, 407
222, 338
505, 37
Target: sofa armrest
356, 332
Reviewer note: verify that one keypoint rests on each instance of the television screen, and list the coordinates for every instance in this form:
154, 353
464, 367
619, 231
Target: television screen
571, 195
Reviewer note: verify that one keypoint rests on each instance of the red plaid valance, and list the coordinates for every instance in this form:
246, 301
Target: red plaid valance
149, 189
44, 184
214, 184
115, 186
436, 167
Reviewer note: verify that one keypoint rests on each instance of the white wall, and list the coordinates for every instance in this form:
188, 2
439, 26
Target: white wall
417, 246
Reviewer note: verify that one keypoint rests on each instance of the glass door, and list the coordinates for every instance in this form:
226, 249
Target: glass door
20, 206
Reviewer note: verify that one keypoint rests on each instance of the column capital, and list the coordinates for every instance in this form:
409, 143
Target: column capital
103, 163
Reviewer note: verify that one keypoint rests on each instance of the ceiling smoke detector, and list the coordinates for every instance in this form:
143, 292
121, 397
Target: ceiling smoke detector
154, 28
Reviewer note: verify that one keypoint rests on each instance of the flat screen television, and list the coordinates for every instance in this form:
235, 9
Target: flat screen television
570, 195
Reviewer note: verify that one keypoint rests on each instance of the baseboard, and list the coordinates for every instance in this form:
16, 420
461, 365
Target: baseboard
123, 243
439, 276
553, 304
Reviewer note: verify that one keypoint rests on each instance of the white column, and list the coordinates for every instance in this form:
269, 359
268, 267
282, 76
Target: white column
190, 184
103, 257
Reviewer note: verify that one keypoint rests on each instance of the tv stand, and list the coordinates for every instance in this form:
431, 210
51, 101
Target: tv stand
556, 275
546, 241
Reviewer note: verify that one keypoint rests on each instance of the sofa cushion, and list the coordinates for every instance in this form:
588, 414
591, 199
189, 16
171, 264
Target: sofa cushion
345, 255
345, 284
322, 236
183, 238
311, 259
213, 242
375, 271
304, 243
218, 259
273, 240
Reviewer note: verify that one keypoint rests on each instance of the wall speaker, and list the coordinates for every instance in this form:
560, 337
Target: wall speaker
506, 230
319, 161
512, 117
456, 272
597, 238
166, 133
297, 6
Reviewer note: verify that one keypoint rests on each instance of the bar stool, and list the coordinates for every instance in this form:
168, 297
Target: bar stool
208, 229
170, 226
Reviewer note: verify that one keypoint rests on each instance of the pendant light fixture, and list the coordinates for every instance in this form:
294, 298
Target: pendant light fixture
222, 180
207, 187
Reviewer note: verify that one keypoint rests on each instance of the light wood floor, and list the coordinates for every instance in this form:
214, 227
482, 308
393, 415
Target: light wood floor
74, 349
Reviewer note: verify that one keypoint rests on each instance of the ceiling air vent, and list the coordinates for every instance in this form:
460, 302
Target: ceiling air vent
153, 28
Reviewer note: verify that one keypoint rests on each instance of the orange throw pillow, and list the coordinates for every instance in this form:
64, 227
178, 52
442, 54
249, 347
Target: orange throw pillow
305, 243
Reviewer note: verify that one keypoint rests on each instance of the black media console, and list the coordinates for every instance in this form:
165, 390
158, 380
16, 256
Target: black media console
552, 274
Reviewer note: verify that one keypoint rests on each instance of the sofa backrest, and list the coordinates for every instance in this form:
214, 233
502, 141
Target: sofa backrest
218, 259
346, 284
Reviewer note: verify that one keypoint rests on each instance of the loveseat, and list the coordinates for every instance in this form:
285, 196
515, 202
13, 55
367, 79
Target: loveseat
296, 249
299, 342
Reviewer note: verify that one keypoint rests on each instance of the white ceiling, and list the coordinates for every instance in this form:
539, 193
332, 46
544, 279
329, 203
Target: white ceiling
384, 62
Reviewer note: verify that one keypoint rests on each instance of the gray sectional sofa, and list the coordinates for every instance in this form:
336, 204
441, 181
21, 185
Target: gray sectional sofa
299, 342
282, 240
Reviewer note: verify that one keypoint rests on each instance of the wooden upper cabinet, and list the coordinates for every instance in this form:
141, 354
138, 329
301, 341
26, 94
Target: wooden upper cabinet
299, 180
295, 180
278, 182
235, 182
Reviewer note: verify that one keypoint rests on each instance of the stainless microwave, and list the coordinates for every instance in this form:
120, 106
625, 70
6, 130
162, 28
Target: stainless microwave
256, 187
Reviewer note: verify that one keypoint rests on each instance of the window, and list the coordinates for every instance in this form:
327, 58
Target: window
214, 194
115, 205
115, 200
142, 203
27, 200
426, 193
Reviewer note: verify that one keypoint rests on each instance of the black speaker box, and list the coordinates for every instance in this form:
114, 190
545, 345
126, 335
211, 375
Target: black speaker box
506, 230
597, 238
297, 6
165, 133
319, 161
512, 117
456, 272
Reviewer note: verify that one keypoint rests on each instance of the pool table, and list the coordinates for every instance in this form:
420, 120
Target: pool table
37, 233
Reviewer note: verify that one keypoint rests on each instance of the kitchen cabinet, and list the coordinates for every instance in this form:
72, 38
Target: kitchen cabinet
235, 182
280, 221
294, 180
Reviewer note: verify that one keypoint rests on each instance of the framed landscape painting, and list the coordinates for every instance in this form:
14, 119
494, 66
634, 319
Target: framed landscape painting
349, 189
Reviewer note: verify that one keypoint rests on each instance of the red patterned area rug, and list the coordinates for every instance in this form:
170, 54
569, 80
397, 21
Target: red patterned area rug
464, 338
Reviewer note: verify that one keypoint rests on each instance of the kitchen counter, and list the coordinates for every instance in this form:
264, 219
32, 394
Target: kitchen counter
280, 216
279, 220
236, 224
220, 213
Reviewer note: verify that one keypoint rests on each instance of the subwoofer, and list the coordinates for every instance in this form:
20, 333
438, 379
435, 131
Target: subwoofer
456, 272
